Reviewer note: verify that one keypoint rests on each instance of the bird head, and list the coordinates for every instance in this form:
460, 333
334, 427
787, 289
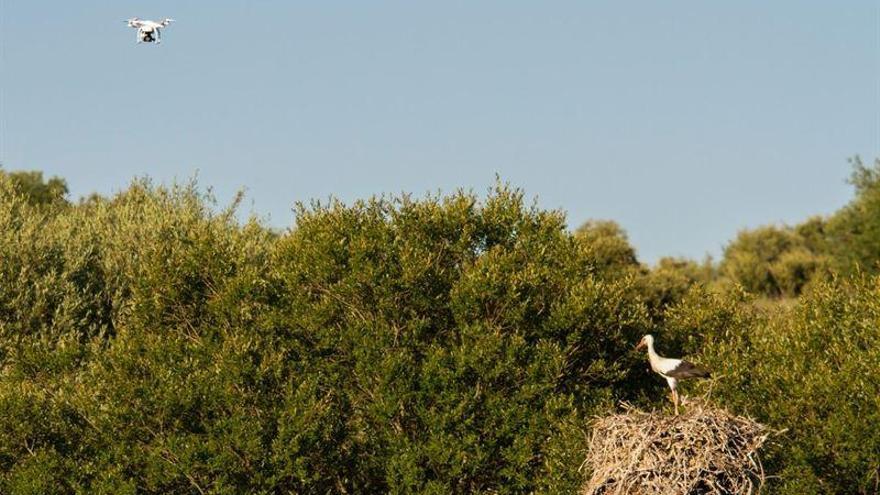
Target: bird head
646, 341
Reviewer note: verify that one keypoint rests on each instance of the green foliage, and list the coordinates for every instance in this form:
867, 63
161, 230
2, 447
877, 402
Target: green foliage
773, 261
151, 343
813, 370
854, 231
783, 261
36, 191
796, 268
670, 280
606, 243
461, 341
121, 343
445, 345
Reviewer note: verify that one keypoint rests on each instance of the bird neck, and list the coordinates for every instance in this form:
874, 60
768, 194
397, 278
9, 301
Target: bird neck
652, 354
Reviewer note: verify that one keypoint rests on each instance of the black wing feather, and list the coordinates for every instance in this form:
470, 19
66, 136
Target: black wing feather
688, 369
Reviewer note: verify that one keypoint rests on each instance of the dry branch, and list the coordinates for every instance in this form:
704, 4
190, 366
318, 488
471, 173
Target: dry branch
705, 450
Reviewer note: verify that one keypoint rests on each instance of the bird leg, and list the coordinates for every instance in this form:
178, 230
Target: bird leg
675, 401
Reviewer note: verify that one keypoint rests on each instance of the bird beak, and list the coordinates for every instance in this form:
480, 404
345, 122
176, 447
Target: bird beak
640, 344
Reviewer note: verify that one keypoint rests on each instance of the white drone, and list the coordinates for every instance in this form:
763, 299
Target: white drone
148, 31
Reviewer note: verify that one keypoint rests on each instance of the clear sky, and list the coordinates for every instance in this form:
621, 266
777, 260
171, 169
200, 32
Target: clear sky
683, 121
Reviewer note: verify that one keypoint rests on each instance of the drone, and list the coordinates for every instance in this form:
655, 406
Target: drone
148, 31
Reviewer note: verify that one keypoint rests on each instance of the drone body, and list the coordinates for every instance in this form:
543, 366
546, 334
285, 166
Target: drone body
148, 31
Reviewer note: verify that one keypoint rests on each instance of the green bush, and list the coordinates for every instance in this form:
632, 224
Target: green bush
796, 269
34, 190
814, 370
115, 319
608, 245
782, 261
775, 261
670, 280
458, 341
853, 232
152, 345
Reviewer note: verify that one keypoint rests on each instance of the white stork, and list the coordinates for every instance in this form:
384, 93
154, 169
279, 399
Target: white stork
671, 369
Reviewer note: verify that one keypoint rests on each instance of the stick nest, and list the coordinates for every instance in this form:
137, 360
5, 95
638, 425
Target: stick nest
705, 450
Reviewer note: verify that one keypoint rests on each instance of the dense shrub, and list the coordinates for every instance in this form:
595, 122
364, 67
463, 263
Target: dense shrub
445, 345
31, 187
152, 343
812, 369
854, 232
458, 342
609, 247
782, 261
124, 330
669, 281
773, 261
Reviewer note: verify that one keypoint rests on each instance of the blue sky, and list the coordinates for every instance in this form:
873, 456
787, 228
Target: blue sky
683, 121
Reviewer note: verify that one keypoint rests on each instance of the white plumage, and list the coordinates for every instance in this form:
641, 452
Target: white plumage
671, 369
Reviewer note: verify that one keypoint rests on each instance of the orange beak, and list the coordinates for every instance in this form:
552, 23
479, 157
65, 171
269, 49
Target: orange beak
640, 344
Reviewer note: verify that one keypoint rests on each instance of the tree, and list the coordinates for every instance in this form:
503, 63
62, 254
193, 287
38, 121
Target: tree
810, 368
151, 344
854, 231
671, 279
774, 261
606, 243
36, 190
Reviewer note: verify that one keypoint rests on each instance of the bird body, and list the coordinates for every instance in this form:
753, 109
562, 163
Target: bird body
671, 369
